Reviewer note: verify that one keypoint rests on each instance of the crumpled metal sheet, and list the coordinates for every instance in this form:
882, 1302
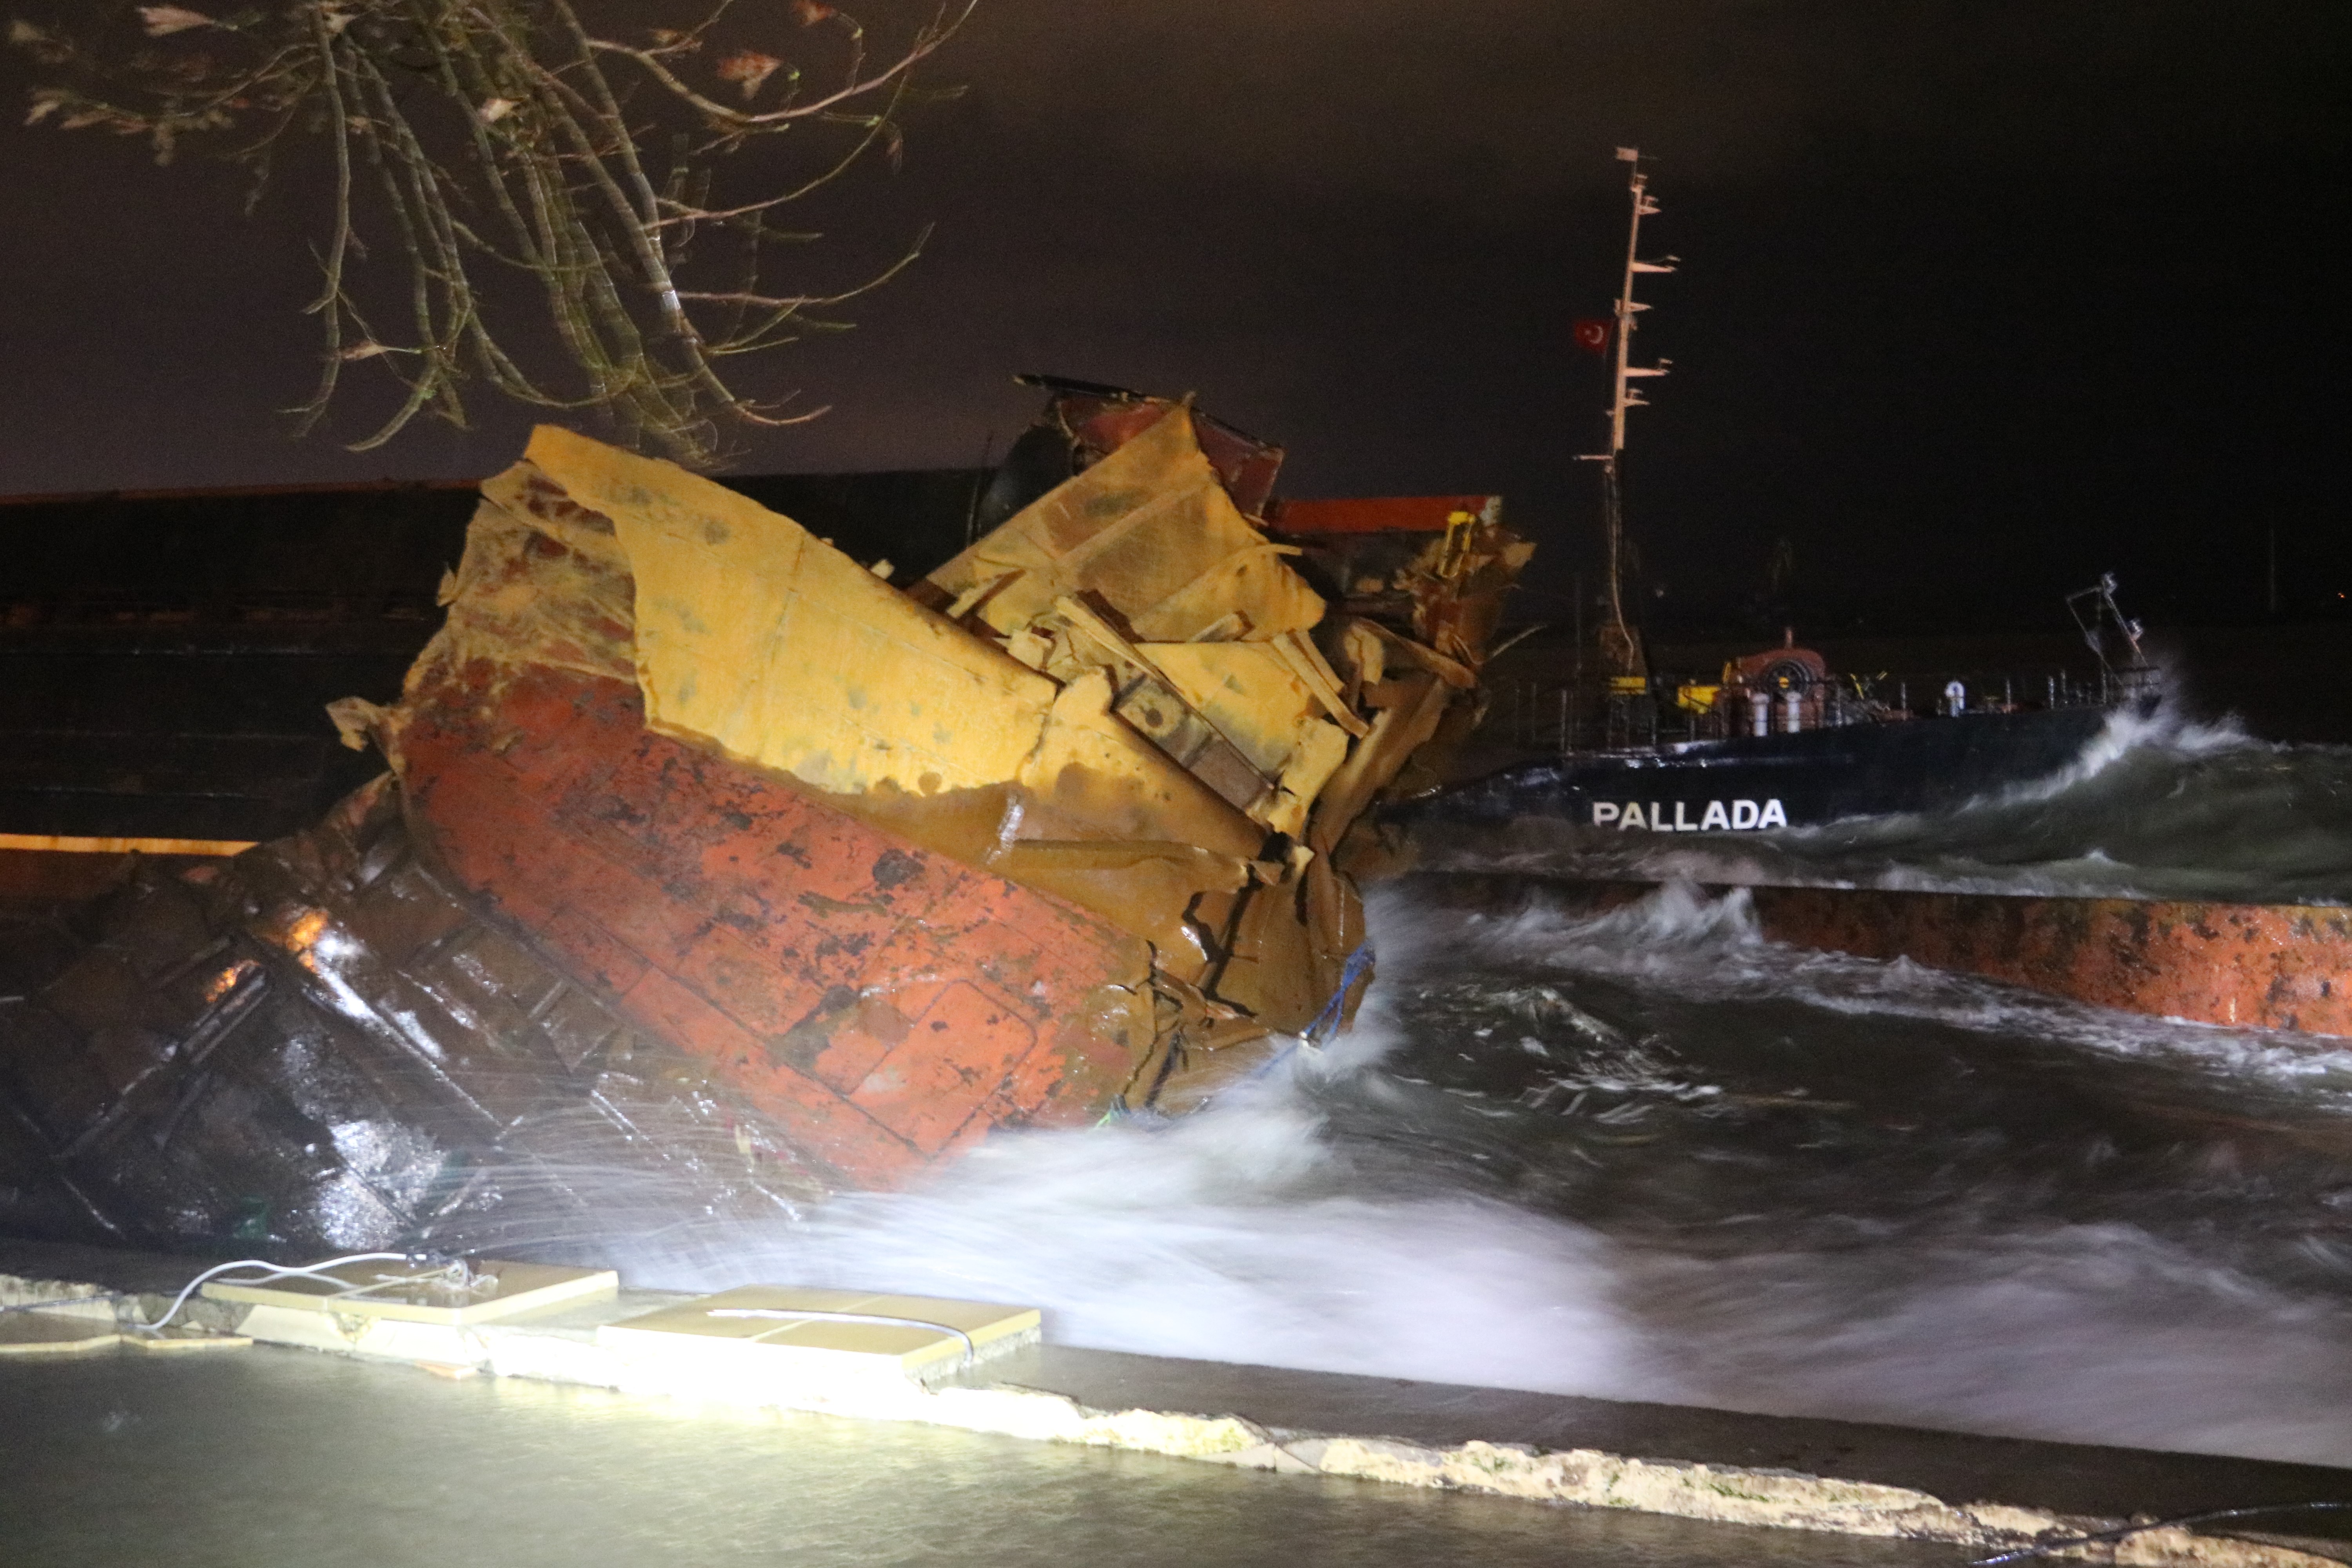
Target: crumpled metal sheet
1436, 569
753, 637
1152, 531
1147, 746
1421, 582
322, 1046
719, 872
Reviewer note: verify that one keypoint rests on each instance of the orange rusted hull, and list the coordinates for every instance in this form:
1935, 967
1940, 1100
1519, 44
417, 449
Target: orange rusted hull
2272, 966
885, 1004
2267, 966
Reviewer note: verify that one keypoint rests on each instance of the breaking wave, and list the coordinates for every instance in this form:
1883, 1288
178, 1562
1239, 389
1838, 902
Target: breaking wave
1645, 1154
1232, 1235
2157, 805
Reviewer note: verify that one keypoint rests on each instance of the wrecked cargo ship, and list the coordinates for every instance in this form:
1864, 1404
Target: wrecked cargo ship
712, 862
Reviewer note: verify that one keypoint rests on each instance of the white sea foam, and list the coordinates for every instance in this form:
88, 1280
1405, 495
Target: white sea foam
1254, 1233
1681, 940
2157, 804
1232, 1235
2082, 1333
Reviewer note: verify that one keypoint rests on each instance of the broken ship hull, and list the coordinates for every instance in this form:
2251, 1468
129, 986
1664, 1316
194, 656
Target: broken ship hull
714, 873
883, 1003
327, 1044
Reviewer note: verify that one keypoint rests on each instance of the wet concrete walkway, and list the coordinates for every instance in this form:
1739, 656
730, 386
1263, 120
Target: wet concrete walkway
264, 1454
286, 1457
2062, 1477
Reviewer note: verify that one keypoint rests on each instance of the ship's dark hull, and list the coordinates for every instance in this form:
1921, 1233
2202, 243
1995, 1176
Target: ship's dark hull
1773, 781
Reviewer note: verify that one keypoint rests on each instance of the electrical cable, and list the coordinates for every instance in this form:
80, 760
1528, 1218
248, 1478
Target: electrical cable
275, 1271
2050, 1547
1327, 1022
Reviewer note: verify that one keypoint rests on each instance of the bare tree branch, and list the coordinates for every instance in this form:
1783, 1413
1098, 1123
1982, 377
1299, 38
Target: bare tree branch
496, 146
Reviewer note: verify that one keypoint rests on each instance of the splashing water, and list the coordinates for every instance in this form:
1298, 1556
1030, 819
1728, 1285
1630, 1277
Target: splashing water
1649, 1155
2158, 805
1235, 1235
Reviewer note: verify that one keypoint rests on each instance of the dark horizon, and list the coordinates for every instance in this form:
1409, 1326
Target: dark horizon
1975, 301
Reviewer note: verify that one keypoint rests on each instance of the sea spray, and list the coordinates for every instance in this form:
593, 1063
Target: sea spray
2158, 806
2091, 1333
1646, 1155
1231, 1236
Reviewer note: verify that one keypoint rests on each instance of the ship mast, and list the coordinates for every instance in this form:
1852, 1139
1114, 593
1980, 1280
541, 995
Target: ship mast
1621, 647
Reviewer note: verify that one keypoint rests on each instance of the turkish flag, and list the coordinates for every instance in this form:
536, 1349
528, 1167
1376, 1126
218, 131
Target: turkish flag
1592, 333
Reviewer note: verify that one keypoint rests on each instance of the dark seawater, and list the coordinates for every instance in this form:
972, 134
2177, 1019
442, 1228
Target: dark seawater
1649, 1155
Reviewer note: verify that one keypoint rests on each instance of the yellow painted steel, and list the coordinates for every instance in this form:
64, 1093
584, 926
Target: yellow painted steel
753, 635
1112, 665
1256, 699
757, 639
70, 845
1696, 699
517, 593
1151, 531
1091, 767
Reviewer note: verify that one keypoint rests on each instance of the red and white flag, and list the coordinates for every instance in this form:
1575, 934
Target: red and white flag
1592, 333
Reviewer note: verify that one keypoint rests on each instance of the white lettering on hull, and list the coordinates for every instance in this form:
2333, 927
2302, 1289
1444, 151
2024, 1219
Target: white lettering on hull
1720, 817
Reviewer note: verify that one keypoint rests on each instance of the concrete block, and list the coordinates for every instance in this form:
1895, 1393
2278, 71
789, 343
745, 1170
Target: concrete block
55, 1334
781, 1344
449, 1296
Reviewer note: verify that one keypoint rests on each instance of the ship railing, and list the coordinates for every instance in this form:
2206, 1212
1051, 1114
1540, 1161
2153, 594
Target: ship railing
1537, 716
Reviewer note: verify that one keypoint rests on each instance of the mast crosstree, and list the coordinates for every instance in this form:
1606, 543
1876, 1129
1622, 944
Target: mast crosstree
1620, 646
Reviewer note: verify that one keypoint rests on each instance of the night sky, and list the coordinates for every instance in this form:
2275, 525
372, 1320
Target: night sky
1976, 299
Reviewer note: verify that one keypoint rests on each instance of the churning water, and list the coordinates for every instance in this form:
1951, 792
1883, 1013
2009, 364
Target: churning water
2156, 807
1649, 1155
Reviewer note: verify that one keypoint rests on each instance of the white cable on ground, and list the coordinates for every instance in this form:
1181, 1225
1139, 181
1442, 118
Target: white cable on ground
275, 1271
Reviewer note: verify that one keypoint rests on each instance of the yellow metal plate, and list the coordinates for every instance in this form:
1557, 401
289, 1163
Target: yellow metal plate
783, 651
1152, 530
71, 845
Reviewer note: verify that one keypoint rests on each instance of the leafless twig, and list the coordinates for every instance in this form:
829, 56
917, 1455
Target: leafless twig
471, 140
